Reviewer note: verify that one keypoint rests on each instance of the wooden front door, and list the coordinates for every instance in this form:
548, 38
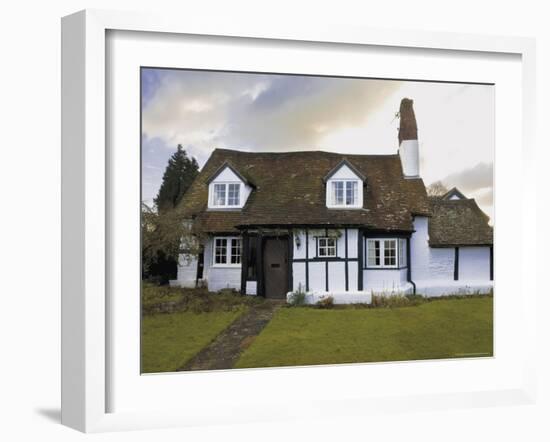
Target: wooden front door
276, 267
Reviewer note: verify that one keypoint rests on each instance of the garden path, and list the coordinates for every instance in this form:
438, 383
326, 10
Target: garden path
225, 350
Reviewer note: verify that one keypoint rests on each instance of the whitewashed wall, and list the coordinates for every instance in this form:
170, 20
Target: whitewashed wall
474, 263
299, 276
300, 252
187, 272
385, 281
429, 263
432, 269
218, 278
317, 277
441, 265
420, 250
318, 269
410, 159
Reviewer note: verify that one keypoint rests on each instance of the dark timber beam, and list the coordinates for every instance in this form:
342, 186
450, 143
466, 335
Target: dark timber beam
260, 265
491, 269
457, 254
307, 261
290, 259
244, 262
346, 256
326, 263
360, 257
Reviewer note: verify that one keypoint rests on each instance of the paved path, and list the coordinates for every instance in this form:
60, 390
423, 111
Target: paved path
225, 350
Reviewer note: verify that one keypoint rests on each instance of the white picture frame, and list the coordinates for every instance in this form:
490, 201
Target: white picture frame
86, 210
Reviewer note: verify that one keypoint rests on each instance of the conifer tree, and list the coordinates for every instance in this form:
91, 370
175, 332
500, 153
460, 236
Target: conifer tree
178, 176
162, 228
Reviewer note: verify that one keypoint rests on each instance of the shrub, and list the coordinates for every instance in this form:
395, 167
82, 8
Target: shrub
416, 299
165, 299
298, 297
326, 302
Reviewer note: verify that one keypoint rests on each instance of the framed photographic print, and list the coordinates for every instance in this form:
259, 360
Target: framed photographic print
250, 214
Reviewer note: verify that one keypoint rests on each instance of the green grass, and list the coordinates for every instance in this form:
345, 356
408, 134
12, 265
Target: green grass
170, 340
439, 329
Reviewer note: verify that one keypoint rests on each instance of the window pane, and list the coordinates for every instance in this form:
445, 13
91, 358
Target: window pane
235, 251
220, 252
233, 194
373, 253
326, 247
351, 193
219, 194
390, 252
338, 193
331, 247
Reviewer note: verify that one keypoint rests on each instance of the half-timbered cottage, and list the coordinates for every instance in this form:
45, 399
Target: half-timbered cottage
333, 224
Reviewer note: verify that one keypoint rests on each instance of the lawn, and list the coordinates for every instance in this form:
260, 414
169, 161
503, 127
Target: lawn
437, 329
169, 340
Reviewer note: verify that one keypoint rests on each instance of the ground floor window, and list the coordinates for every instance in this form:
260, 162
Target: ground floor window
227, 251
386, 252
326, 247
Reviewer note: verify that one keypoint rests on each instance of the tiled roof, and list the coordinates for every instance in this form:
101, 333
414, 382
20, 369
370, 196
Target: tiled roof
453, 192
458, 222
289, 190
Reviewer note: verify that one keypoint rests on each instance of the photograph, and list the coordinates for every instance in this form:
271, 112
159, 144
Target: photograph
292, 220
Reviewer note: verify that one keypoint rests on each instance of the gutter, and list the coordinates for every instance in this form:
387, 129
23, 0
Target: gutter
409, 279
414, 286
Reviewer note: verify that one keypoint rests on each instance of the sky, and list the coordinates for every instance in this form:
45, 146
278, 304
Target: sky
204, 110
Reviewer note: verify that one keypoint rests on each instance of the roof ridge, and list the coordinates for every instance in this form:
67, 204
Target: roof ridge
293, 152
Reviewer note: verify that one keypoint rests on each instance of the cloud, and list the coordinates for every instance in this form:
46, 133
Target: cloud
256, 111
471, 180
203, 110
484, 197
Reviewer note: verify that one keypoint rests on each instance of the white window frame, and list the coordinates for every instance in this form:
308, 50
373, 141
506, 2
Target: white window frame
327, 247
331, 200
400, 249
226, 204
228, 248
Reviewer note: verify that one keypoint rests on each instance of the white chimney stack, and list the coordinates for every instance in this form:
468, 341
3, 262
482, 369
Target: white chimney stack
408, 140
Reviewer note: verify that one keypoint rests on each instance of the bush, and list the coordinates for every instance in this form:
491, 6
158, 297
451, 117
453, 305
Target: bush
298, 297
165, 299
326, 302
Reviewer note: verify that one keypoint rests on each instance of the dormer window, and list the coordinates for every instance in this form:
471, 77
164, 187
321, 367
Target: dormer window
344, 187
228, 189
227, 195
345, 193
